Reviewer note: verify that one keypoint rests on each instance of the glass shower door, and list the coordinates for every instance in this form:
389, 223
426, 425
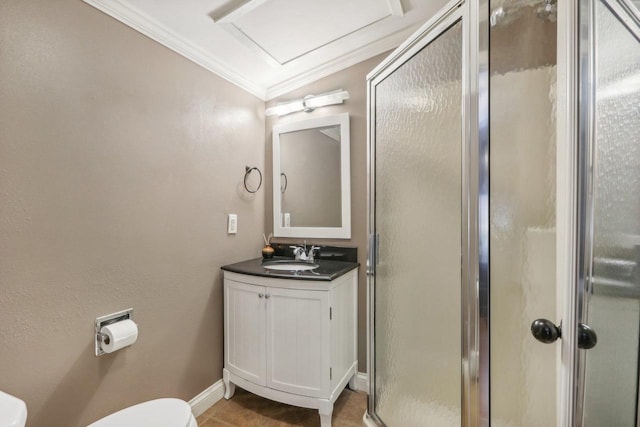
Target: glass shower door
416, 207
522, 200
610, 119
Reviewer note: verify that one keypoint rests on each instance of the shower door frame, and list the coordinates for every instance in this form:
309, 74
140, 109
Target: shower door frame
474, 15
567, 218
574, 135
576, 61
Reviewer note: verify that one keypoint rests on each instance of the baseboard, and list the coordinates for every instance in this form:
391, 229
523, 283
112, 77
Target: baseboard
207, 398
362, 382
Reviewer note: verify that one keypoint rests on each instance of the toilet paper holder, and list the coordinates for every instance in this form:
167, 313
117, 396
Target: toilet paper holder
108, 320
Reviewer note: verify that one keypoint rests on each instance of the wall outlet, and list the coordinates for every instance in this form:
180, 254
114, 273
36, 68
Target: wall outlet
287, 219
232, 224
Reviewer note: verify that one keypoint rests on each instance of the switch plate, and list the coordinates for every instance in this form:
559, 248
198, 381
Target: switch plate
232, 224
287, 219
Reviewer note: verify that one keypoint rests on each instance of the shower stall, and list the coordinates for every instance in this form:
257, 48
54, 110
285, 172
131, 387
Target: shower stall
504, 164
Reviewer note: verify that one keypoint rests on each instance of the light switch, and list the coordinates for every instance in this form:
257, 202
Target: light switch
232, 224
287, 219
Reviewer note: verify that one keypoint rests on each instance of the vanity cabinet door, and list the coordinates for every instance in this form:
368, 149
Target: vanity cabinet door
244, 330
298, 341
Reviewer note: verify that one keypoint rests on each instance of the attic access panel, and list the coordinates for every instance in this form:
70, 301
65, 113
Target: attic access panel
303, 26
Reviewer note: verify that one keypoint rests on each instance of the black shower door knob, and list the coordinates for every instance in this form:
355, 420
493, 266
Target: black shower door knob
546, 331
587, 337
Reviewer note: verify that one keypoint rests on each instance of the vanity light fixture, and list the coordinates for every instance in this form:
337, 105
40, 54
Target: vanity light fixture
308, 103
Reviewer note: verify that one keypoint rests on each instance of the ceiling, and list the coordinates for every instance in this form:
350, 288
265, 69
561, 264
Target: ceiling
270, 47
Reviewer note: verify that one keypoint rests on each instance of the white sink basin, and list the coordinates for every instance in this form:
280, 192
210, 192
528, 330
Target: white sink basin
290, 266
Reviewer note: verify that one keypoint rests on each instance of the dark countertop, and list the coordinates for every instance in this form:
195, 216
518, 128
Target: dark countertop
327, 270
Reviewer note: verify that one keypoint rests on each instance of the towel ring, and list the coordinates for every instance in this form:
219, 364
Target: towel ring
247, 172
286, 182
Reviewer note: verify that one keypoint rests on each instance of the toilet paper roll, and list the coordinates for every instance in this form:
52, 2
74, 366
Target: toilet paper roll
119, 335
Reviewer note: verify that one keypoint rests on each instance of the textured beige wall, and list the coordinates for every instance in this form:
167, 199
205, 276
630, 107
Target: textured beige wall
119, 161
352, 79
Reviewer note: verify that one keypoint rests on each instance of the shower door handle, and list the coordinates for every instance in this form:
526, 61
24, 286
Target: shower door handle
546, 331
587, 337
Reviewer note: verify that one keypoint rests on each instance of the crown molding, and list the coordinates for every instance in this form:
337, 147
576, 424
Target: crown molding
168, 38
141, 22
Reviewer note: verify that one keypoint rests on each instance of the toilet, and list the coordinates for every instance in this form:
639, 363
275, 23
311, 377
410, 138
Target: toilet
154, 413
13, 411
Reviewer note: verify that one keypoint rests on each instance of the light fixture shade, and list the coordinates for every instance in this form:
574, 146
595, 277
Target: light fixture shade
309, 103
330, 98
286, 108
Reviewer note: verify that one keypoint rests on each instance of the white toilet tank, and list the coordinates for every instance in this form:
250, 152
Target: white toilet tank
13, 411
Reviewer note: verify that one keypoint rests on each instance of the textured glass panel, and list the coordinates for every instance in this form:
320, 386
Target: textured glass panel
614, 308
522, 215
418, 137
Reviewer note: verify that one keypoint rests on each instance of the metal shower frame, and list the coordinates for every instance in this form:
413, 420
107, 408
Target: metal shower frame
474, 15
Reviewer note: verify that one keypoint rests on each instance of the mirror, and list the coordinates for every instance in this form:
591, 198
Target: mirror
311, 178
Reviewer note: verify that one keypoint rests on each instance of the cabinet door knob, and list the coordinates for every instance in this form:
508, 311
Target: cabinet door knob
267, 296
260, 295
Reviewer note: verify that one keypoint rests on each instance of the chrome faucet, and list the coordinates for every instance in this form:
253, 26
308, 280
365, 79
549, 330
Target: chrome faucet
301, 253
314, 251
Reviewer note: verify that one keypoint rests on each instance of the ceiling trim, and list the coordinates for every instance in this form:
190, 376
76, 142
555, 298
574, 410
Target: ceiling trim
249, 43
235, 10
390, 42
395, 6
165, 36
252, 44
143, 23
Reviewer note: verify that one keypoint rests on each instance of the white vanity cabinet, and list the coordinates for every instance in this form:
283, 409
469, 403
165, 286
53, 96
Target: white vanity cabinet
289, 340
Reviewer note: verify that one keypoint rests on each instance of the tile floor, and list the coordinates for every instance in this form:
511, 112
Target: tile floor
248, 410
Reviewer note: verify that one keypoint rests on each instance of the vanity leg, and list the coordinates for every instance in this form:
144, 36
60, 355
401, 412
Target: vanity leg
229, 390
229, 387
353, 383
325, 410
